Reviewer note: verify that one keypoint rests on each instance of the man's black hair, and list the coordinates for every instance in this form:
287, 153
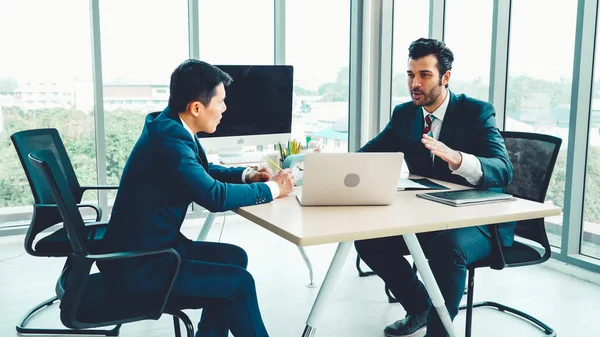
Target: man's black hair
423, 47
195, 80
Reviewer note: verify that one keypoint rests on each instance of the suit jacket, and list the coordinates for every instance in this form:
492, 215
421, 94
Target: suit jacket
469, 126
165, 172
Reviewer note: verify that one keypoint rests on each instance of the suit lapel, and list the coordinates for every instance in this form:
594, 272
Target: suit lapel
420, 157
448, 127
416, 124
450, 122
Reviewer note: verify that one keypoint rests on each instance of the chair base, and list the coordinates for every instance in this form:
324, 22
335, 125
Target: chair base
501, 307
362, 273
189, 327
23, 330
391, 298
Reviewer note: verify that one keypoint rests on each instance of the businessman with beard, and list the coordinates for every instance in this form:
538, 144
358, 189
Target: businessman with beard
448, 137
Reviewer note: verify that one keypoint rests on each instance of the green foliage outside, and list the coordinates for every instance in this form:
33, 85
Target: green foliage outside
123, 128
591, 209
535, 100
76, 129
336, 91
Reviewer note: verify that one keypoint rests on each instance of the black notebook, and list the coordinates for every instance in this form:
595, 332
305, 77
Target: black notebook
465, 197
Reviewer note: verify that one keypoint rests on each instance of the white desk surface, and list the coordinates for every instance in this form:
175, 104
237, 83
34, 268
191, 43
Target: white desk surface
314, 225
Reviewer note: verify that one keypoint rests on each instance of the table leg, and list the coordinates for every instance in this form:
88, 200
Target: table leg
330, 281
429, 281
210, 218
311, 283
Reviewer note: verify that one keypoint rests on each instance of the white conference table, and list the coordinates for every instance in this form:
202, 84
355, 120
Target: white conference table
210, 218
307, 226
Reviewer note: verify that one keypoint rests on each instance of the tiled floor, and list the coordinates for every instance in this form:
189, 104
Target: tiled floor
358, 308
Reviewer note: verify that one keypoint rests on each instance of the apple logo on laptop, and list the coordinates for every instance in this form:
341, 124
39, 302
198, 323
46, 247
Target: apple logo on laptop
351, 180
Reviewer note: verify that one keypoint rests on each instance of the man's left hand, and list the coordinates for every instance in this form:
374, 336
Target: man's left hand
437, 148
261, 174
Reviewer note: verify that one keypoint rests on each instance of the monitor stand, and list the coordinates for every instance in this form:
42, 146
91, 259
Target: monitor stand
236, 155
234, 151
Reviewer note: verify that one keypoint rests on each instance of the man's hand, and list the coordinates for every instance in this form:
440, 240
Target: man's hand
437, 148
285, 180
259, 175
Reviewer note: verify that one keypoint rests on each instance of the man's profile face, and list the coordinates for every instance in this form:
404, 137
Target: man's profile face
210, 116
424, 82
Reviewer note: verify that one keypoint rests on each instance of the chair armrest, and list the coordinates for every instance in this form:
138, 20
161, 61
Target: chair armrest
93, 227
129, 255
93, 206
96, 224
97, 208
76, 274
99, 187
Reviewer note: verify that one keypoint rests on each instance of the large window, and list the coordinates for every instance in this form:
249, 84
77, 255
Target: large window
471, 46
590, 244
236, 31
539, 84
45, 72
317, 45
411, 21
137, 61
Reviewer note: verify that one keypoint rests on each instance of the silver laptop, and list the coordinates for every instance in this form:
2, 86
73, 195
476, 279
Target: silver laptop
339, 179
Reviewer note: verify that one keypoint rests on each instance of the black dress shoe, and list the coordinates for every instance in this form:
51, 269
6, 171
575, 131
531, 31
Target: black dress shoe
407, 326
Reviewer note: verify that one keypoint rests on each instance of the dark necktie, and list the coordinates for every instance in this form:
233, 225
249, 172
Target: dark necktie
428, 121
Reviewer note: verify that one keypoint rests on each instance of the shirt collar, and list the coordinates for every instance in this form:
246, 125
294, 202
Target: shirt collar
185, 126
440, 112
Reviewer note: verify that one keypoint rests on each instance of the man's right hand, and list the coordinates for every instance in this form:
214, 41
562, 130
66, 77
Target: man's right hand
285, 181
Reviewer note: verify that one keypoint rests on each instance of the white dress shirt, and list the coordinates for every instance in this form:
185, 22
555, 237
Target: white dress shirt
470, 168
271, 184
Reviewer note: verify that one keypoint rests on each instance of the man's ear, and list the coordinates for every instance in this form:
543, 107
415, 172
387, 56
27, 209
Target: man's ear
195, 108
446, 77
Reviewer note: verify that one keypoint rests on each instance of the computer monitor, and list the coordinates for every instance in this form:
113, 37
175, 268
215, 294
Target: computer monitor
259, 108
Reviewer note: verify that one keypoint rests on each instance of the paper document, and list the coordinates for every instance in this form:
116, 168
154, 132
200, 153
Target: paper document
418, 184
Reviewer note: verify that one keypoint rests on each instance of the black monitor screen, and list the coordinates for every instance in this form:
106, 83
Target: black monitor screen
259, 101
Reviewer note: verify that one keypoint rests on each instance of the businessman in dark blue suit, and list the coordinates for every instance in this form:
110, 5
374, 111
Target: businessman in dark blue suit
167, 171
449, 137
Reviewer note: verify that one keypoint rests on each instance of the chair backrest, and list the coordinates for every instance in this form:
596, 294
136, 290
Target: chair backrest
533, 157
86, 301
32, 140
46, 166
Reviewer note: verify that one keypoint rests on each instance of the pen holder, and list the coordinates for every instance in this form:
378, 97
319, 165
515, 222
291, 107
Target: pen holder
274, 157
295, 162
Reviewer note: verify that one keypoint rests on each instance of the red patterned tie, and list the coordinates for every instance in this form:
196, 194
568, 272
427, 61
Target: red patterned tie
427, 129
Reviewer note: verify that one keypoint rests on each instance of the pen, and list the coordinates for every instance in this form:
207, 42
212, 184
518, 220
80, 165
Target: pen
281, 152
274, 164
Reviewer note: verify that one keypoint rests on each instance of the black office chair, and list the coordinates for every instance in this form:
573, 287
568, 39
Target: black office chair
85, 300
362, 273
46, 215
533, 157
